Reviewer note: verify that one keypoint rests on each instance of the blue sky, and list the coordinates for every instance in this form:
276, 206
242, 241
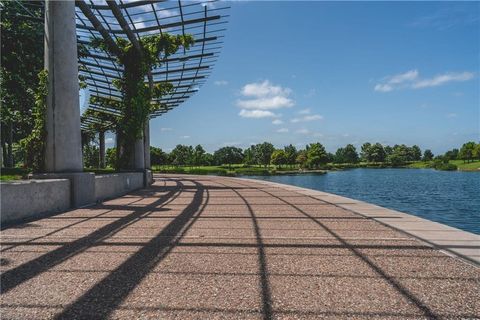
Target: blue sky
337, 73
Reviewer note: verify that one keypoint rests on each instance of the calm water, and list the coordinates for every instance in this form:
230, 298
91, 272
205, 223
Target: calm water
452, 198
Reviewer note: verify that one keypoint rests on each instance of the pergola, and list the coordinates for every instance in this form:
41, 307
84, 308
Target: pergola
72, 25
186, 70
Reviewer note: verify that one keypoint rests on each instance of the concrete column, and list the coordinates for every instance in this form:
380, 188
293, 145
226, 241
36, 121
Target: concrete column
139, 155
63, 155
146, 140
63, 145
101, 139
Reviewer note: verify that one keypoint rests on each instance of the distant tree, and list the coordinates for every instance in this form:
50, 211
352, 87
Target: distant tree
111, 157
228, 155
198, 156
364, 154
302, 158
350, 154
316, 155
290, 154
208, 159
427, 155
339, 156
451, 154
388, 150
249, 156
263, 153
476, 151
157, 156
415, 153
376, 153
466, 152
181, 155
279, 158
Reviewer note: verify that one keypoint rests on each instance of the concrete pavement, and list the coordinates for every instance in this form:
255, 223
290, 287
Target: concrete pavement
201, 247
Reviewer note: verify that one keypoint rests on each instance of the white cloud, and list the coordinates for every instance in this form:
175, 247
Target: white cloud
451, 115
220, 82
318, 135
267, 103
277, 122
304, 111
109, 141
411, 79
302, 131
283, 130
307, 118
256, 114
165, 129
443, 78
403, 77
264, 96
185, 137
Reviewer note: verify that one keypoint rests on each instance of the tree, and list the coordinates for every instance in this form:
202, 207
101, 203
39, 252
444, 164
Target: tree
279, 158
476, 151
228, 155
198, 156
376, 153
21, 62
157, 156
263, 153
415, 153
451, 154
110, 158
301, 158
290, 154
249, 155
346, 155
364, 154
427, 155
466, 151
316, 155
181, 155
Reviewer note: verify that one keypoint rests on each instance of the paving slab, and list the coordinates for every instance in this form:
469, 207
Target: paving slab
201, 247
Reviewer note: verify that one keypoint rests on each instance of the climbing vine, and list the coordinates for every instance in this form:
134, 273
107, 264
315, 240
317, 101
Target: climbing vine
137, 103
34, 143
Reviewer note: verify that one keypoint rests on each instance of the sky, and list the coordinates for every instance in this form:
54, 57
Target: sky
337, 73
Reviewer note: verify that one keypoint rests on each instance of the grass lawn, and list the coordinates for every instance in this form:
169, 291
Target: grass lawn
8, 174
471, 166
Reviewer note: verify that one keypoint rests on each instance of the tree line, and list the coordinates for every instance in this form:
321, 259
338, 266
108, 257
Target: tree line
313, 156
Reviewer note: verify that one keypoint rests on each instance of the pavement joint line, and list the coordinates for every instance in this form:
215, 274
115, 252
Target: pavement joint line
467, 258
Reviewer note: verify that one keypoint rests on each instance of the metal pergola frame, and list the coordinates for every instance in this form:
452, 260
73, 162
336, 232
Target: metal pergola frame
187, 71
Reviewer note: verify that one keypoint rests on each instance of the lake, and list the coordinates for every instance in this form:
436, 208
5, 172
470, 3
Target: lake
451, 198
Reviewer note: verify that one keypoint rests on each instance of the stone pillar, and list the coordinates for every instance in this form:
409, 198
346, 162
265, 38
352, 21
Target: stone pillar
148, 177
146, 140
139, 155
63, 154
101, 139
63, 144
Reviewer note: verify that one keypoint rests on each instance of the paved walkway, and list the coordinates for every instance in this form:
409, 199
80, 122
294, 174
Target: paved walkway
223, 248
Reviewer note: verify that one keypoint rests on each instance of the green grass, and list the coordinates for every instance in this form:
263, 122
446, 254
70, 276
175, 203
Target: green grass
8, 174
471, 166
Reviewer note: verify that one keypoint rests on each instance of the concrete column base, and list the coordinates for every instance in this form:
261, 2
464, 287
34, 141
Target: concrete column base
82, 186
147, 178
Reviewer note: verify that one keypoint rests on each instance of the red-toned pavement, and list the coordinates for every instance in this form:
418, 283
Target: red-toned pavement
196, 247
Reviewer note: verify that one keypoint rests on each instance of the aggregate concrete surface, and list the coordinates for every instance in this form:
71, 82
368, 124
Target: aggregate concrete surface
202, 247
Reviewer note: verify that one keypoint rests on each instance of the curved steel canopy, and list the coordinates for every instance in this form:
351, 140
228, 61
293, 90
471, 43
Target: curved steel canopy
186, 70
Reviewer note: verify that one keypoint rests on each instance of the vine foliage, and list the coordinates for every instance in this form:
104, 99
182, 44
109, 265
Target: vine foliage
137, 104
34, 143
